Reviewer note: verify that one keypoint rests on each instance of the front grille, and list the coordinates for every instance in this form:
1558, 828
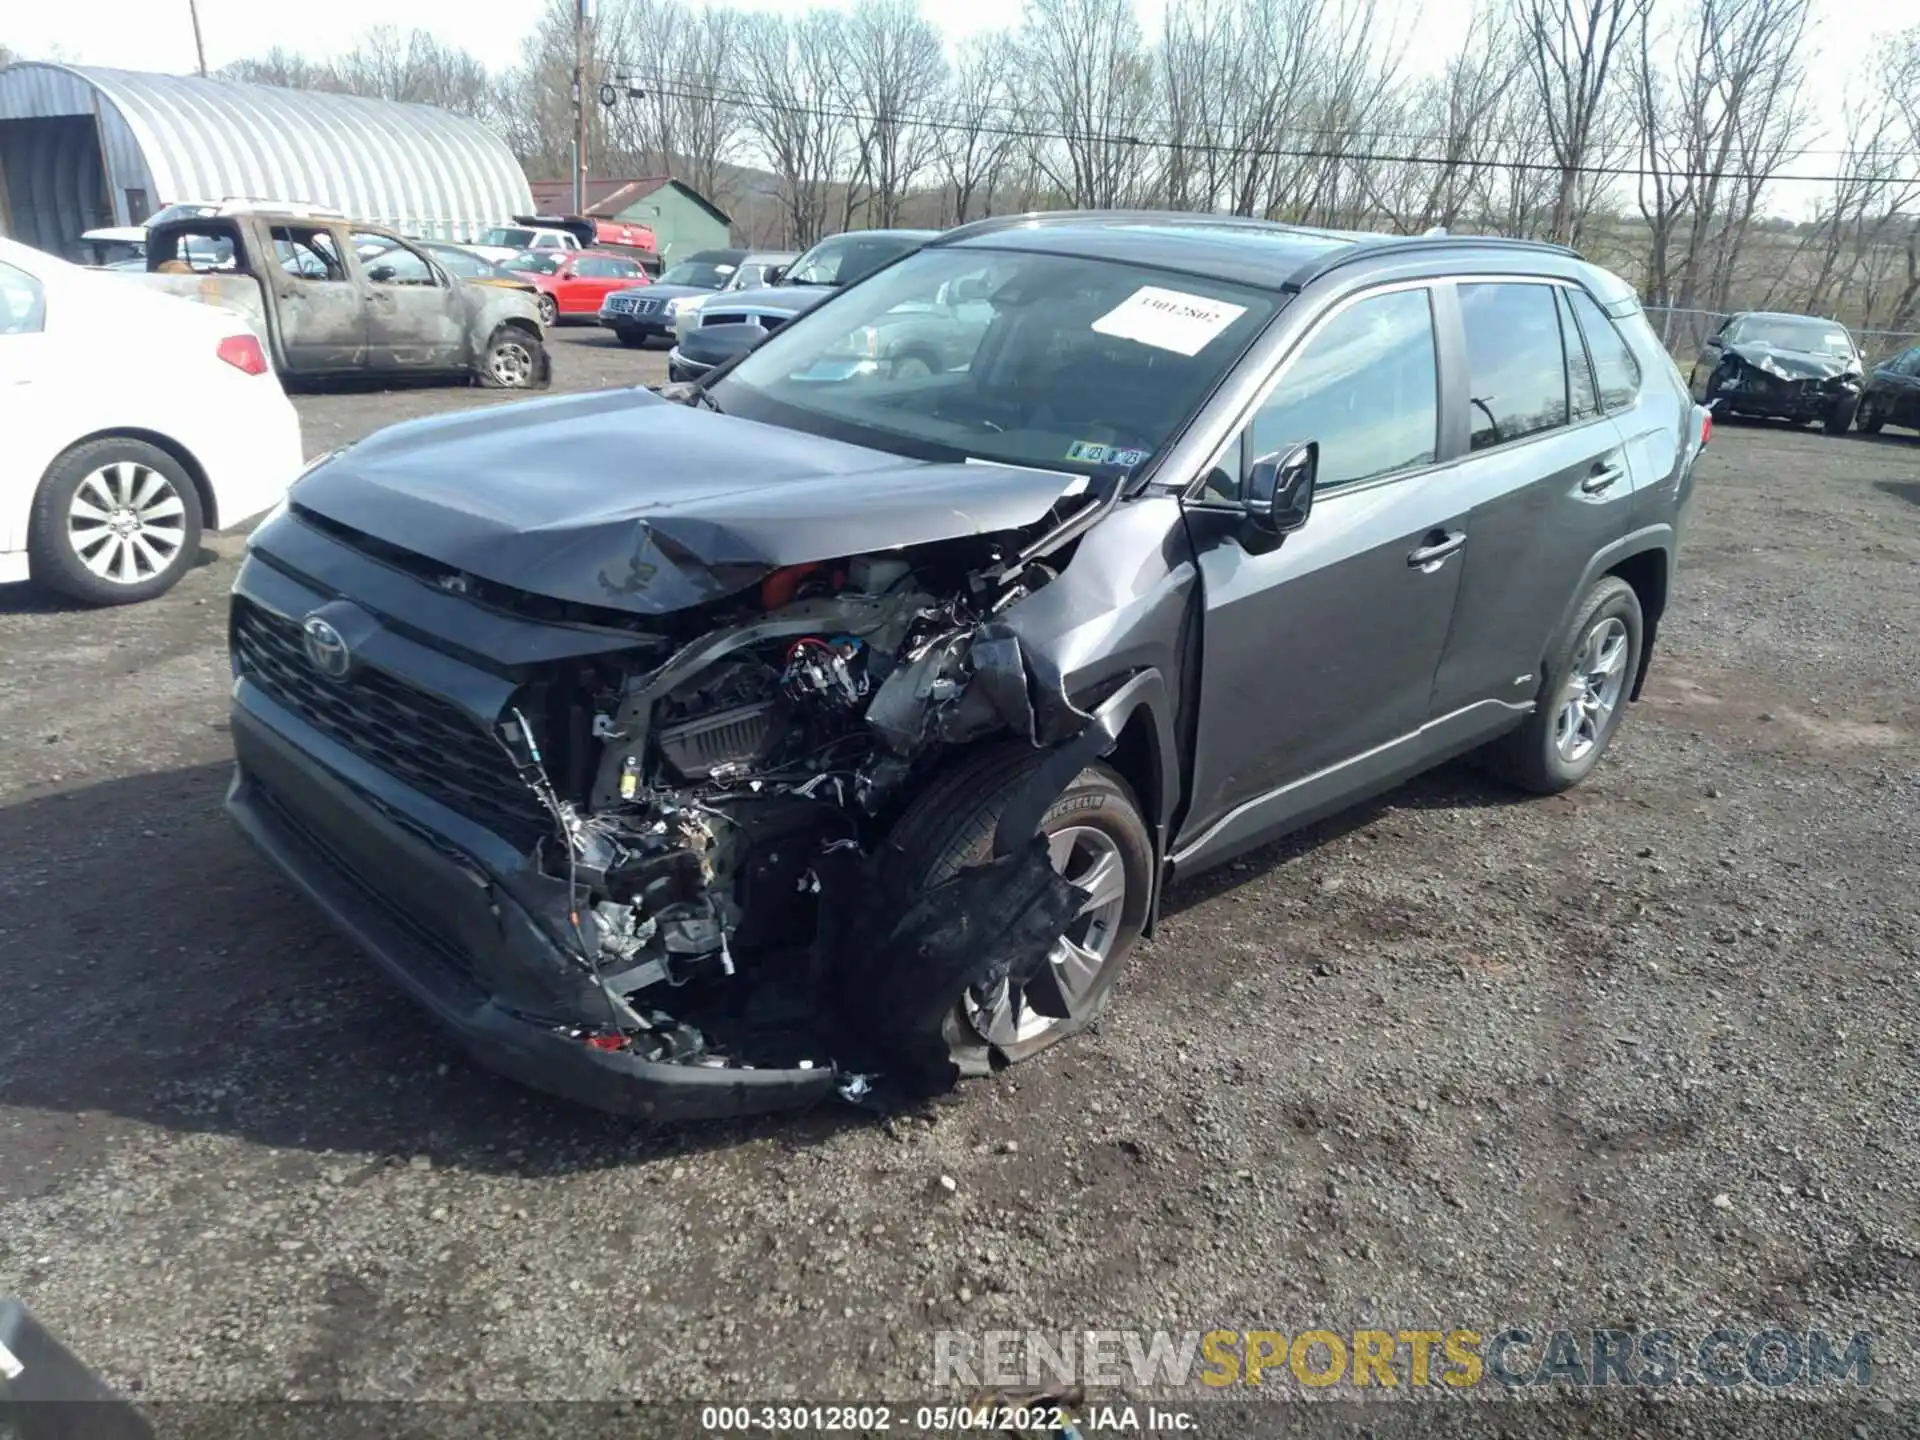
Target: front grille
768, 323
417, 738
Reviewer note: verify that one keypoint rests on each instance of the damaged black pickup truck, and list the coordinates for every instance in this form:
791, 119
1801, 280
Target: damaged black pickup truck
826, 723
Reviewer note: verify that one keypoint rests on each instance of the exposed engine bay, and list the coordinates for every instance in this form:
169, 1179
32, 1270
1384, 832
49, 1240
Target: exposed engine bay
716, 794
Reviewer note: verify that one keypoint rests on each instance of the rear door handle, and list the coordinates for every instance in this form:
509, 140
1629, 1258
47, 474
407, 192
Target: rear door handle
1601, 480
1437, 546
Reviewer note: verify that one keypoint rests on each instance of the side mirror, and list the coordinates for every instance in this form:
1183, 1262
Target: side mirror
773, 275
1278, 493
382, 274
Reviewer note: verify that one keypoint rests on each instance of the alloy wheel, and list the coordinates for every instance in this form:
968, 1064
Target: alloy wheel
126, 522
1593, 688
1090, 859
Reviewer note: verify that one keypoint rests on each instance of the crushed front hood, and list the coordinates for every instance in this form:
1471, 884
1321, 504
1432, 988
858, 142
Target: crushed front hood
624, 500
1793, 364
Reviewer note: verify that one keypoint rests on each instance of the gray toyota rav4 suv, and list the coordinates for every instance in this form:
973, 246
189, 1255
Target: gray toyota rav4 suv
828, 725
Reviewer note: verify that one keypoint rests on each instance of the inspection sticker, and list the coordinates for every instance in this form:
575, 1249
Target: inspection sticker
1087, 452
1168, 319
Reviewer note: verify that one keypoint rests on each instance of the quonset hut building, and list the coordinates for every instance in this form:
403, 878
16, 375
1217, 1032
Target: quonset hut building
83, 147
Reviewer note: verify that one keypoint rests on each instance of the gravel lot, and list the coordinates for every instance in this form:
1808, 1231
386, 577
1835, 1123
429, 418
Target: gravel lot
1455, 1060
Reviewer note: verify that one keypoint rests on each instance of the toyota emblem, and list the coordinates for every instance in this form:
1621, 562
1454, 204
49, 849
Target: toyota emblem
325, 648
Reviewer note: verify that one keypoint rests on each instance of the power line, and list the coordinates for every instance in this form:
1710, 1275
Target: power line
747, 100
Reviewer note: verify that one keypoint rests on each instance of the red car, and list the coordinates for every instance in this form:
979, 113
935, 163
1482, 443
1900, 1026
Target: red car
574, 282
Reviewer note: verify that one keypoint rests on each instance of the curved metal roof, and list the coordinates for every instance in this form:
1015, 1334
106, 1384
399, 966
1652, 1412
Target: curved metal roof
414, 167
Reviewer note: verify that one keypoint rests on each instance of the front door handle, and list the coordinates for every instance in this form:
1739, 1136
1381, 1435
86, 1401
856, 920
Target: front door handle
1601, 480
1436, 547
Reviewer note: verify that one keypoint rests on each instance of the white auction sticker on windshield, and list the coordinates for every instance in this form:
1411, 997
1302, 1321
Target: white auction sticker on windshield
1168, 319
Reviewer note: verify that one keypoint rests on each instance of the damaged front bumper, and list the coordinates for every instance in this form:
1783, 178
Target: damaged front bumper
1744, 389
333, 839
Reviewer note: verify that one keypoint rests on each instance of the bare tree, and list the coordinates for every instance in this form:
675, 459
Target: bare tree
975, 137
1461, 111
1087, 78
384, 64
794, 112
280, 66
1571, 47
1719, 110
893, 73
686, 118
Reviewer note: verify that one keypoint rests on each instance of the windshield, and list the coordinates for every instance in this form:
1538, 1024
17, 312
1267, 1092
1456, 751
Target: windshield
1818, 337
533, 262
843, 259
464, 263
696, 273
509, 237
1025, 359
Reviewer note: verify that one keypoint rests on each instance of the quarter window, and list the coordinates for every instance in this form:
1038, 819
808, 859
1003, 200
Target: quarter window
1614, 367
1516, 366
1365, 387
23, 304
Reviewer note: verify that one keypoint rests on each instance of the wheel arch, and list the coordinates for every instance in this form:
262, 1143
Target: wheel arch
1644, 559
1649, 572
1132, 730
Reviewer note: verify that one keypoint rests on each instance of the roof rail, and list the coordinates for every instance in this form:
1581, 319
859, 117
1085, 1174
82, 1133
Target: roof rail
1367, 247
996, 223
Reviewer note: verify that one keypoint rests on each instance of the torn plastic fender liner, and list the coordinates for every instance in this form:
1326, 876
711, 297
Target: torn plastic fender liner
1020, 819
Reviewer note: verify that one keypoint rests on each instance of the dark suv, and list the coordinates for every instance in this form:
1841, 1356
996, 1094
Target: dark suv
709, 753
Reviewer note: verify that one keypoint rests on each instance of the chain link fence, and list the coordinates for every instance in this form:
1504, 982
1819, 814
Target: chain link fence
1684, 331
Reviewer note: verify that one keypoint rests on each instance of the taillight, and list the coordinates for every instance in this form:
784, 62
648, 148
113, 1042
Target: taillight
243, 352
1706, 427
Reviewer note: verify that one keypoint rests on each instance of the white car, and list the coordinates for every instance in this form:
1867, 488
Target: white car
133, 421
503, 242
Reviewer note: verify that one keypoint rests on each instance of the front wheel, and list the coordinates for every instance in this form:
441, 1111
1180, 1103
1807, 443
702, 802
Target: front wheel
549, 311
113, 522
1583, 698
514, 360
631, 338
1868, 419
1839, 418
1096, 839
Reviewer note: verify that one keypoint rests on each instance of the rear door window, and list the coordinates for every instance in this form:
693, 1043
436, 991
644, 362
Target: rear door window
1516, 361
307, 253
1615, 370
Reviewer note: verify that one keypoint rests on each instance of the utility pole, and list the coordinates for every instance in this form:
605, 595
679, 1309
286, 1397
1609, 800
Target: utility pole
199, 46
582, 13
